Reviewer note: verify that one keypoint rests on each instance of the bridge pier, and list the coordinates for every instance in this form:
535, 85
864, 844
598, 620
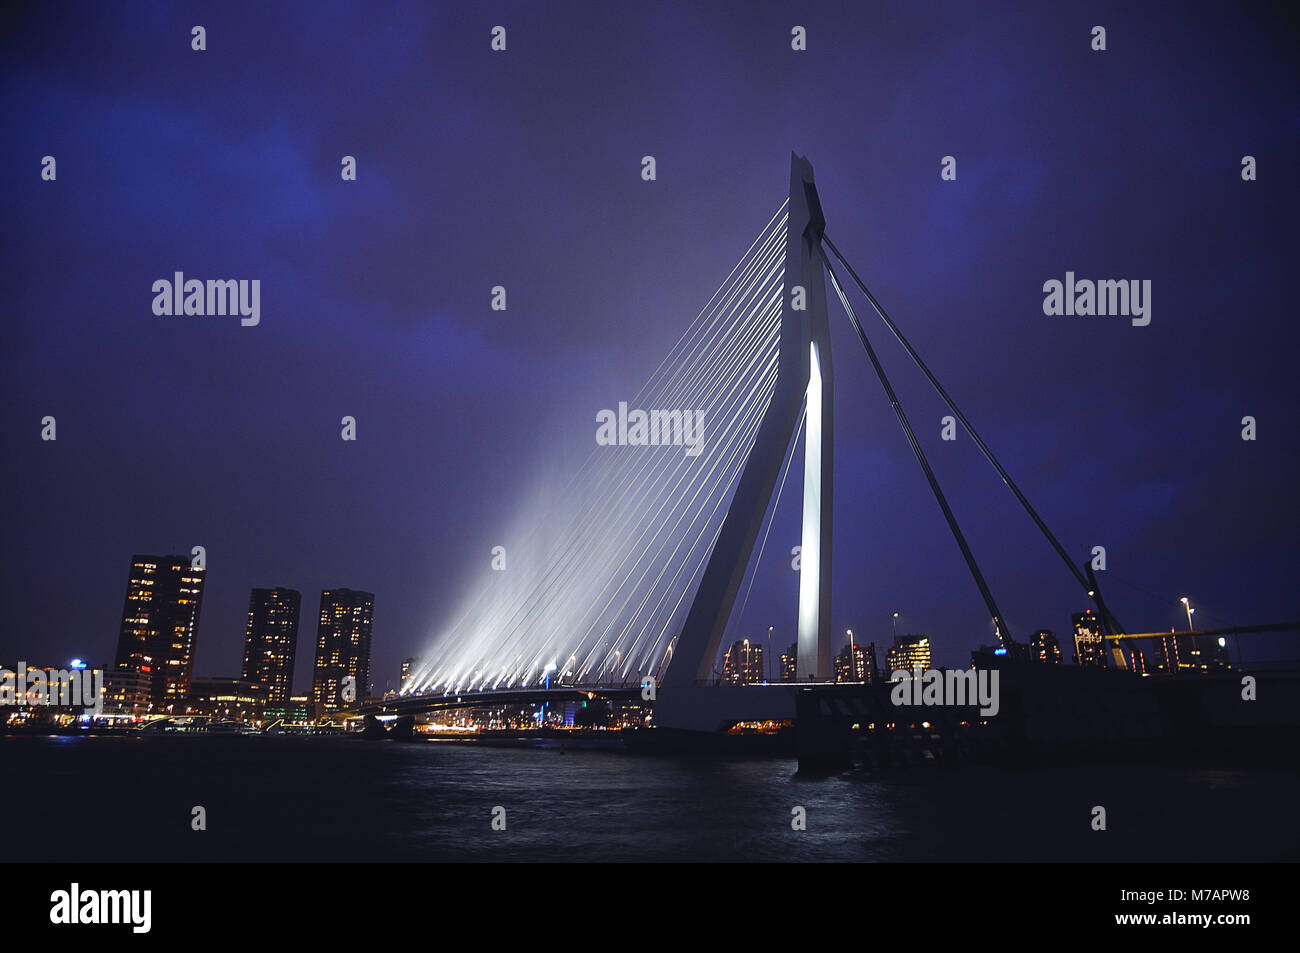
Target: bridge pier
402, 729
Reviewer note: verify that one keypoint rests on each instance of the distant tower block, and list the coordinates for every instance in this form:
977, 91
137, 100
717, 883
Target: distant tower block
271, 641
160, 627
342, 647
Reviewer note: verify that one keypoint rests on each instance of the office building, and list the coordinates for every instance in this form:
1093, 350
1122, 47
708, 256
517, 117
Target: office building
227, 698
298, 710
909, 652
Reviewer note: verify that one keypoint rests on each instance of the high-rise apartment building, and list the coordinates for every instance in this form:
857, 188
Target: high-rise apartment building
743, 664
1089, 642
1043, 648
789, 662
271, 640
857, 663
342, 647
160, 626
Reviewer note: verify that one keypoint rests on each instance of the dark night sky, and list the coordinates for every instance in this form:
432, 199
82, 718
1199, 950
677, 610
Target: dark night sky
522, 169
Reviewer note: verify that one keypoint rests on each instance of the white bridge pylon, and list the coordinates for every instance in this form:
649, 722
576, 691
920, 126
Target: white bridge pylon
637, 561
804, 379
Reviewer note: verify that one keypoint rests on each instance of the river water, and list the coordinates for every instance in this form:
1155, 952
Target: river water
342, 799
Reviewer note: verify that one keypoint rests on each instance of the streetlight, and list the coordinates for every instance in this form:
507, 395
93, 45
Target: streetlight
895, 621
853, 655
1196, 647
769, 652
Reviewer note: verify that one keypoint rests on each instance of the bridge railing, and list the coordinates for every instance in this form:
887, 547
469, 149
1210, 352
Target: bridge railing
1206, 651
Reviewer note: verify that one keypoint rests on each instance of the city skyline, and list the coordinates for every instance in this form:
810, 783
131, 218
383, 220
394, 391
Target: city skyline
266, 599
1122, 436
274, 613
734, 433
161, 626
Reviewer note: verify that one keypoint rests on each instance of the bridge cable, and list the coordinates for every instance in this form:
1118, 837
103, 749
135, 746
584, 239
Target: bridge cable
1088, 587
723, 363
618, 536
588, 514
662, 525
706, 325
631, 525
1003, 634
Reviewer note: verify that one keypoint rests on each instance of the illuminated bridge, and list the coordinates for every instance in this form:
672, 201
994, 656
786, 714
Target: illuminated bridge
633, 574
418, 704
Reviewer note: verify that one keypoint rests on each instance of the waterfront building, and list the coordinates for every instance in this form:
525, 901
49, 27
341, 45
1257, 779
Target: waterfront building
234, 698
342, 648
298, 710
160, 625
127, 692
271, 640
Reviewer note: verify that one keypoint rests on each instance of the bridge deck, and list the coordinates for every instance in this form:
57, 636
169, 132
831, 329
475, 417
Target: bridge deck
419, 704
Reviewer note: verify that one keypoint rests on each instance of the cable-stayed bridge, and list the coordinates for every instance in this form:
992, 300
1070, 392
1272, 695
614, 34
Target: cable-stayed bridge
599, 591
635, 572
